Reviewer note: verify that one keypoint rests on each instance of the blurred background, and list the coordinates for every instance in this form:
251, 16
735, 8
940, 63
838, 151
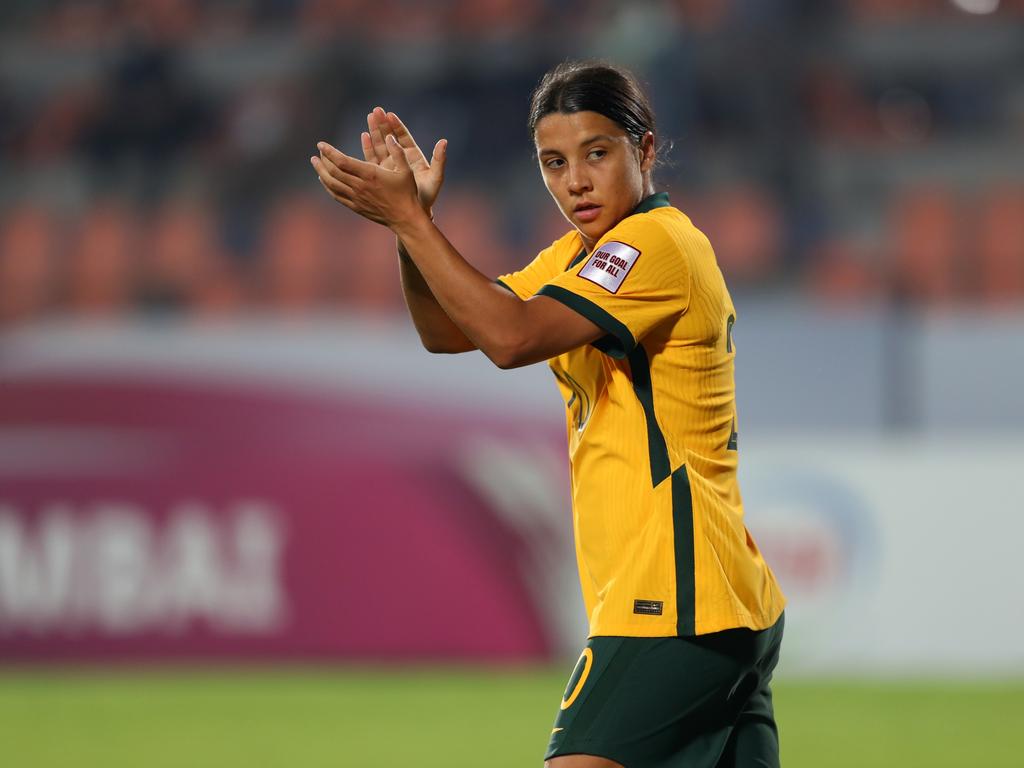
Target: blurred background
246, 519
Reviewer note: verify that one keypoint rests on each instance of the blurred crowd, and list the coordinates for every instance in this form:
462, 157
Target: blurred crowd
155, 152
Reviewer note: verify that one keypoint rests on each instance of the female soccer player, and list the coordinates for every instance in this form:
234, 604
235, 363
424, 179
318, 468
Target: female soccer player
631, 312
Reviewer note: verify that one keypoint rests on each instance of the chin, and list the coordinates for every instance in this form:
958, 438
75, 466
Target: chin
594, 230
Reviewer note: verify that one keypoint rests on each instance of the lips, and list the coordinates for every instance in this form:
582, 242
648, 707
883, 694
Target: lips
587, 212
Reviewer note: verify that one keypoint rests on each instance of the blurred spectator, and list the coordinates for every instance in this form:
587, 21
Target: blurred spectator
145, 117
819, 107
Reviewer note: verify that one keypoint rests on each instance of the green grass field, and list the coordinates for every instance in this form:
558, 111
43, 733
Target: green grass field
422, 718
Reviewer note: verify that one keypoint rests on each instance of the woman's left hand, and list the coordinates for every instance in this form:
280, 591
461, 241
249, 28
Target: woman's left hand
379, 194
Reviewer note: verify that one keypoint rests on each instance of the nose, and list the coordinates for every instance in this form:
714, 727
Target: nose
579, 179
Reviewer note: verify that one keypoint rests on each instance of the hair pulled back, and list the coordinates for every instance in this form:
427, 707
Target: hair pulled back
593, 86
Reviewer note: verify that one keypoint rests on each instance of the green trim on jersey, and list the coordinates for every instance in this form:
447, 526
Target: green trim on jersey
656, 448
506, 287
579, 257
682, 501
619, 341
649, 203
682, 534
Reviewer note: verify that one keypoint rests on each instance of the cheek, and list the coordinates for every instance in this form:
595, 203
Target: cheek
554, 188
627, 182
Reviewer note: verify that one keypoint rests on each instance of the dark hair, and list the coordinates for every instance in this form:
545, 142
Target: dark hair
593, 86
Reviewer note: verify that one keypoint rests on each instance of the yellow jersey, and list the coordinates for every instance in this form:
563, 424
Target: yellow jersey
661, 546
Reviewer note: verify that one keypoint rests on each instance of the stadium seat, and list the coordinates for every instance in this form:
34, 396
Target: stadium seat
104, 260
745, 228
184, 267
471, 223
925, 236
999, 237
295, 256
841, 272
27, 270
366, 259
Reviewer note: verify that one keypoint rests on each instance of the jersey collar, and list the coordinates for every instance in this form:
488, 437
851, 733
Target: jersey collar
649, 203
657, 200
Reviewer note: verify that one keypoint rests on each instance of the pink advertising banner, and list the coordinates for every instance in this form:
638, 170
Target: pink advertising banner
147, 518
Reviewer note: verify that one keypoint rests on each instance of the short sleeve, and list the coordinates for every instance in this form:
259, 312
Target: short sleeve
635, 278
528, 280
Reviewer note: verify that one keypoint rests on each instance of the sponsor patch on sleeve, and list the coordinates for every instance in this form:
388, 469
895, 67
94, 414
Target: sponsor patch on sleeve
609, 265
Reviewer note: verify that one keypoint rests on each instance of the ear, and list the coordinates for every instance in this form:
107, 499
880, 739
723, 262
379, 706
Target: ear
647, 152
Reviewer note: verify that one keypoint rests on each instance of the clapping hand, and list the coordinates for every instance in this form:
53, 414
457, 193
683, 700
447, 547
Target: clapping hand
394, 174
429, 175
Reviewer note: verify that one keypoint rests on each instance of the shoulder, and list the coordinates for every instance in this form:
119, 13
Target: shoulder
564, 249
664, 232
666, 227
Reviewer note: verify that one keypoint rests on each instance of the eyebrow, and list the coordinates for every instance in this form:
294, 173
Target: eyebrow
598, 137
585, 142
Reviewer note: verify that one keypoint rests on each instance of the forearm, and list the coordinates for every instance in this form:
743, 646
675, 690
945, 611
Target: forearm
437, 331
489, 317
511, 332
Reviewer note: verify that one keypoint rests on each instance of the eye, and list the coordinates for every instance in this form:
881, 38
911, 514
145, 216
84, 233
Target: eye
554, 162
596, 154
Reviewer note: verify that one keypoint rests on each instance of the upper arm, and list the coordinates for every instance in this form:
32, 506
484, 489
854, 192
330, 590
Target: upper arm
548, 328
525, 282
636, 277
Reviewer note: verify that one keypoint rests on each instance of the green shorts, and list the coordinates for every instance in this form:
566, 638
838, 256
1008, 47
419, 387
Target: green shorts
698, 702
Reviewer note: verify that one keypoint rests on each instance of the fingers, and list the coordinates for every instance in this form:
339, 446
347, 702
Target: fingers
439, 158
338, 188
397, 154
400, 131
348, 165
344, 200
368, 153
441, 150
378, 128
333, 171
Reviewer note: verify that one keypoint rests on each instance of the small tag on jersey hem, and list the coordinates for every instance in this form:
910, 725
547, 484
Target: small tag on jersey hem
648, 607
609, 265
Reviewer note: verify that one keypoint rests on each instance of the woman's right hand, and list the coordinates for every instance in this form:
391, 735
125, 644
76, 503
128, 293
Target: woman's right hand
429, 175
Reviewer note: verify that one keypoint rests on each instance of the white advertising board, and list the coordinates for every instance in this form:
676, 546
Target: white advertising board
898, 556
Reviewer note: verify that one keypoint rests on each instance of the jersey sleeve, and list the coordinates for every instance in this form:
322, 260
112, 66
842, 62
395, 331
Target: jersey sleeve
528, 280
635, 278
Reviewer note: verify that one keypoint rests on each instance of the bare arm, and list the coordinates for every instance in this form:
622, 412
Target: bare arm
436, 330
511, 332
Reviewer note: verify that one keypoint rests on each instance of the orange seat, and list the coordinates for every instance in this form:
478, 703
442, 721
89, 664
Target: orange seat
367, 262
104, 260
925, 236
999, 242
296, 255
840, 272
28, 238
185, 264
745, 228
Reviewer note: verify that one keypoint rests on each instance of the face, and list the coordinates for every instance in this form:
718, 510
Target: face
592, 168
